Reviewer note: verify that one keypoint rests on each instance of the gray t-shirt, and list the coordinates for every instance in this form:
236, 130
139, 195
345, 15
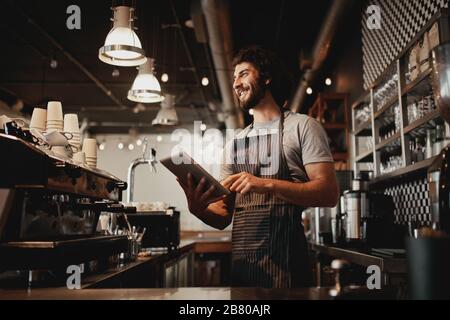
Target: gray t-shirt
304, 142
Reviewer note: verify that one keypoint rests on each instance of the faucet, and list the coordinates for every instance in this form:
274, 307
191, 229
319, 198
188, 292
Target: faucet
145, 159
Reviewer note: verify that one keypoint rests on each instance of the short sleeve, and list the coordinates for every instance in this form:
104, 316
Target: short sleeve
314, 143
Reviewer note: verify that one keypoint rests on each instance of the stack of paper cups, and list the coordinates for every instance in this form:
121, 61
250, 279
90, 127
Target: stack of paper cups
71, 126
38, 119
54, 116
90, 151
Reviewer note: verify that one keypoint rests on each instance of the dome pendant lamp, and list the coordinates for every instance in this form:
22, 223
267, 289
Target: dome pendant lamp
122, 46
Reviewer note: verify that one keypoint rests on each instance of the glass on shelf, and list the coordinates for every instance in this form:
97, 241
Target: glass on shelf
362, 114
386, 91
393, 163
420, 107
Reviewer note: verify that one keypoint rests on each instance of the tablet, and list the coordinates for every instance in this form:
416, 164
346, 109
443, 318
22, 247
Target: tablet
183, 164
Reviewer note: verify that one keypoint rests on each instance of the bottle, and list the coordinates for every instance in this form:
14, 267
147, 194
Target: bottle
429, 144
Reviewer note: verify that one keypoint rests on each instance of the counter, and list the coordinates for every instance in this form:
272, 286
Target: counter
363, 257
167, 294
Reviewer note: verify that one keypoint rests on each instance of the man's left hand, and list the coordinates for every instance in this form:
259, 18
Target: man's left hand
245, 182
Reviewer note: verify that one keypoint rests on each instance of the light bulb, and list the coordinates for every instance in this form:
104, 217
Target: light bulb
139, 142
251, 111
159, 138
328, 81
164, 77
53, 64
120, 146
309, 90
101, 146
205, 81
203, 127
131, 147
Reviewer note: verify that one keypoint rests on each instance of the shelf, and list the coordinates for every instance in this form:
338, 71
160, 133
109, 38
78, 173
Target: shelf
428, 117
365, 98
386, 142
405, 170
413, 85
386, 106
364, 129
366, 156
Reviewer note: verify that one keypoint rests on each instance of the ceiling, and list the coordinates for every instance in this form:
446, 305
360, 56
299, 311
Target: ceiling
35, 33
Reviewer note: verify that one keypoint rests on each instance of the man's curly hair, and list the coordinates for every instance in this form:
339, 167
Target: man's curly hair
270, 67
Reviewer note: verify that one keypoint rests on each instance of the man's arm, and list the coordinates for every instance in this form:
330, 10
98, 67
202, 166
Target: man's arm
321, 191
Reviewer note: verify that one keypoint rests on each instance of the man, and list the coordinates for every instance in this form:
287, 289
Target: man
269, 248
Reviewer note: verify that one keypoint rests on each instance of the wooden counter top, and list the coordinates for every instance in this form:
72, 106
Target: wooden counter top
167, 294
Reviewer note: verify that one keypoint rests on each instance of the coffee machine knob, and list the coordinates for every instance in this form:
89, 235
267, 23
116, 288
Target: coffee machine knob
339, 266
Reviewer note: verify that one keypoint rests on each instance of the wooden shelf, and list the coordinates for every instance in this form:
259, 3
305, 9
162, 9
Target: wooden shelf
364, 129
388, 141
422, 165
386, 106
426, 118
366, 156
414, 84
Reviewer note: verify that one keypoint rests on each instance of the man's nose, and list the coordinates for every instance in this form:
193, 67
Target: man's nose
236, 83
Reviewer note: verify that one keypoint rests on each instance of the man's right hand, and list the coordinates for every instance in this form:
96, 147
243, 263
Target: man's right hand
198, 198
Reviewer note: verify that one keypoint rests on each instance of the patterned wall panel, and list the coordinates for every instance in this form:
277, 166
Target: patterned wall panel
401, 20
411, 201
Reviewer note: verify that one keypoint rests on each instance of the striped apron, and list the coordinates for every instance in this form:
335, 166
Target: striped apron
268, 242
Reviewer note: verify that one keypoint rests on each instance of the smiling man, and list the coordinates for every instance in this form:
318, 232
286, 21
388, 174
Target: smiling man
275, 167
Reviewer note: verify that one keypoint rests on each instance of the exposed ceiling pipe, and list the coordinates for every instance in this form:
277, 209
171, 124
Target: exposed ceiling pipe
219, 33
321, 48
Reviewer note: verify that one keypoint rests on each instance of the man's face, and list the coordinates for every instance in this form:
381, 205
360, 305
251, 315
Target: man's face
247, 85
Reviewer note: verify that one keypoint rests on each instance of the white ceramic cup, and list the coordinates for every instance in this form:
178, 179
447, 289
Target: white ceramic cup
54, 111
71, 123
38, 119
56, 138
90, 148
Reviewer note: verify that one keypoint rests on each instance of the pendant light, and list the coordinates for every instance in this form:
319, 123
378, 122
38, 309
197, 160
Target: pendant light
146, 88
167, 115
122, 46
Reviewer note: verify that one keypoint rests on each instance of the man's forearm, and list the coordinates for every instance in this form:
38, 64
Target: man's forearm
316, 193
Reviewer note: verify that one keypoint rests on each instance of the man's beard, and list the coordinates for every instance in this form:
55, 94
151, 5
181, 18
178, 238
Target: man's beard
256, 91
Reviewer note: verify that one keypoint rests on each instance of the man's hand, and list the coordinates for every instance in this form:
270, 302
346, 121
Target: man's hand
198, 198
245, 182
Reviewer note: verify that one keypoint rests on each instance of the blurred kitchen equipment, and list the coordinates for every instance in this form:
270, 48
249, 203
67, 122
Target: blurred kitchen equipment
145, 159
322, 217
49, 209
428, 268
439, 173
163, 228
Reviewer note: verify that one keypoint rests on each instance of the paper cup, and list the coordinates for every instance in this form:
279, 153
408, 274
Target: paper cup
54, 111
90, 148
38, 119
71, 123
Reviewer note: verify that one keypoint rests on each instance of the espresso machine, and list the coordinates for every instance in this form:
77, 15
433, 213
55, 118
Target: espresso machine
438, 172
49, 209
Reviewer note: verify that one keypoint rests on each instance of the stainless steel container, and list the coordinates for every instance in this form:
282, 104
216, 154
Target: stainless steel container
356, 209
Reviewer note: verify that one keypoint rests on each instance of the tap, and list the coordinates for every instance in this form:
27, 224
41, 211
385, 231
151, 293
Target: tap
147, 158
